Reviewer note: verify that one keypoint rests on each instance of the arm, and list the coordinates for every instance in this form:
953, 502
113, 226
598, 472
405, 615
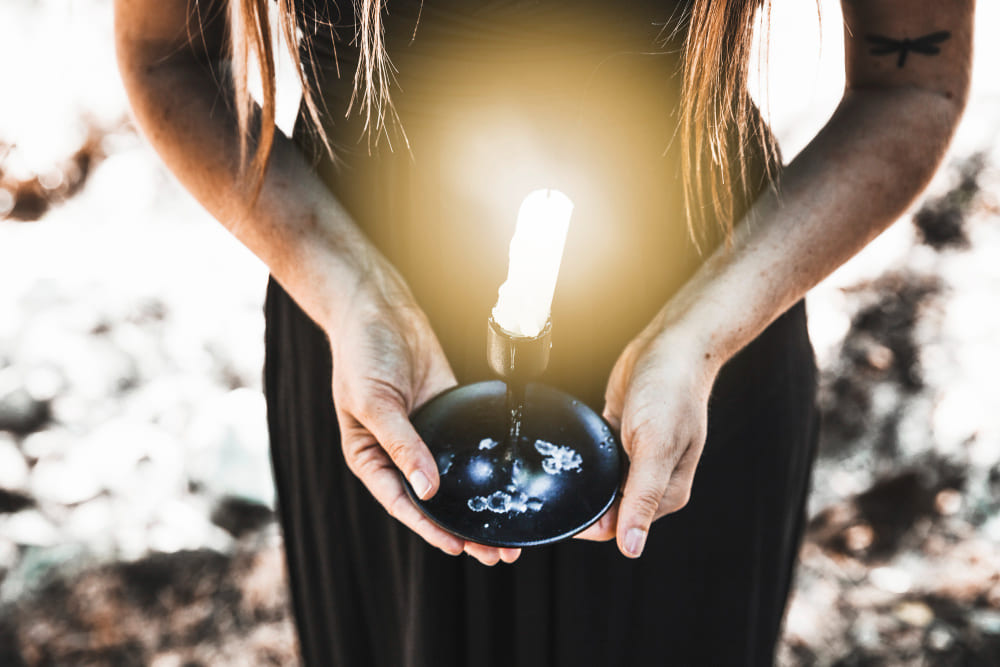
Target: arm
875, 155
386, 359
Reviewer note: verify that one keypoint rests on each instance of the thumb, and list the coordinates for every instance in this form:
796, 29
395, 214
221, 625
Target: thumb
649, 473
391, 427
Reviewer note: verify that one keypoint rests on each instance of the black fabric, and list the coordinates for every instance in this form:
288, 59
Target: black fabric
500, 98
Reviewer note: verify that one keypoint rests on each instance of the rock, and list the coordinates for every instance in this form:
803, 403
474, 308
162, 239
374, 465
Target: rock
57, 480
865, 630
44, 383
92, 523
20, 412
239, 517
181, 525
35, 567
986, 620
941, 221
30, 528
940, 637
859, 537
229, 448
46, 443
14, 501
169, 659
132, 459
13, 467
890, 579
9, 553
93, 366
948, 502
914, 613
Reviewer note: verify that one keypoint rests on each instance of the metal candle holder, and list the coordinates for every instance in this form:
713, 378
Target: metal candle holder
540, 483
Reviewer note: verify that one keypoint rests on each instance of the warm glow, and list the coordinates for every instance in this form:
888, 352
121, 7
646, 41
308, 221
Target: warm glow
535, 253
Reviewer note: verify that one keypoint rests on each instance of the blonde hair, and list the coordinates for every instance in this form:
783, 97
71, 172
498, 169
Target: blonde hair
718, 124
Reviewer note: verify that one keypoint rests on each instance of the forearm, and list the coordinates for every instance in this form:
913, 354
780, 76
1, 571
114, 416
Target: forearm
296, 226
862, 171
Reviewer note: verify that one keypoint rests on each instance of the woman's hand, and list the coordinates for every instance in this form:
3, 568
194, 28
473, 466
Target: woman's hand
386, 359
657, 398
386, 363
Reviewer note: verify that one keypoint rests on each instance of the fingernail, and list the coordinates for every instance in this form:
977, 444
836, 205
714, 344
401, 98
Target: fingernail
635, 538
420, 484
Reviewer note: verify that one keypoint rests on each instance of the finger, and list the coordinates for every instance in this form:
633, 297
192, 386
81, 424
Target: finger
392, 429
604, 529
613, 418
613, 403
618, 380
484, 554
373, 467
681, 480
650, 470
509, 555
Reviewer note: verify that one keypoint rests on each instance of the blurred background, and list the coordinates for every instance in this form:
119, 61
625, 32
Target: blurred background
136, 502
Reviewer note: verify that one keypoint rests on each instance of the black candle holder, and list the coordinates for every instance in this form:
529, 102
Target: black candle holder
521, 463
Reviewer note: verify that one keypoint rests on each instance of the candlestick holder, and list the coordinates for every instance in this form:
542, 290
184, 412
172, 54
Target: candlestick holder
521, 463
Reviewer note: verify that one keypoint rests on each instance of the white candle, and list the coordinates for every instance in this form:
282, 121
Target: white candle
535, 253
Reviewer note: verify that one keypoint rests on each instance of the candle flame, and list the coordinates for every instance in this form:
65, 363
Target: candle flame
536, 250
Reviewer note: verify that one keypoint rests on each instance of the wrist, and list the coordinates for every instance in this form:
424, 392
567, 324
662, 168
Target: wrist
355, 282
694, 330
681, 339
322, 261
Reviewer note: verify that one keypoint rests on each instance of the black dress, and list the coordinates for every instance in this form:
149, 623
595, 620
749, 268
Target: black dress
497, 99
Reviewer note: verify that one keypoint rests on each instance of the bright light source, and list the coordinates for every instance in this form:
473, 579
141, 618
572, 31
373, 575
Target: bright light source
535, 253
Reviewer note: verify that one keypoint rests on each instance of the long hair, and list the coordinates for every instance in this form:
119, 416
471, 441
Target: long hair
719, 129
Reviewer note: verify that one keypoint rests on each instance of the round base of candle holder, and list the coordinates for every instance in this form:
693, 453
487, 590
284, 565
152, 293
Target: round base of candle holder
563, 474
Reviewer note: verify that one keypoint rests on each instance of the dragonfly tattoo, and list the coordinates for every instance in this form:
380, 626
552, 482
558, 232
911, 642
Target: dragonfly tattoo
926, 45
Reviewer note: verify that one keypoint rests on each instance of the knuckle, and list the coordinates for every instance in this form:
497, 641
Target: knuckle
643, 430
368, 408
425, 529
397, 506
398, 450
680, 499
699, 430
681, 502
376, 399
484, 555
354, 466
362, 463
646, 501
656, 455
697, 440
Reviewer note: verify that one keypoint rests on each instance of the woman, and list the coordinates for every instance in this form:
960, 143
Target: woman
678, 313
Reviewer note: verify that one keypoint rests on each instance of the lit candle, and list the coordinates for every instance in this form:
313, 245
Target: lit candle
536, 250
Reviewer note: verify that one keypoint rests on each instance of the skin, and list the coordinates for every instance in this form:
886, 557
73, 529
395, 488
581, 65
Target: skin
865, 167
859, 174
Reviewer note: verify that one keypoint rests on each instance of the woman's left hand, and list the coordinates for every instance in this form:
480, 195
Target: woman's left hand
657, 398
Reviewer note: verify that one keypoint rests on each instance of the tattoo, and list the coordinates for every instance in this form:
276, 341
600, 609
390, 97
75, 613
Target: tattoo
927, 45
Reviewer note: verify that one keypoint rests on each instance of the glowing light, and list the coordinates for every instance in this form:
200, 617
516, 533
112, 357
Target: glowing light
536, 250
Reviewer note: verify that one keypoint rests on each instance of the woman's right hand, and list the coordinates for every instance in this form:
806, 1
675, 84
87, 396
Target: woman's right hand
386, 359
387, 362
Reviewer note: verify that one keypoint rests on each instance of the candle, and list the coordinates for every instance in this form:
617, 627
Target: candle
536, 250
